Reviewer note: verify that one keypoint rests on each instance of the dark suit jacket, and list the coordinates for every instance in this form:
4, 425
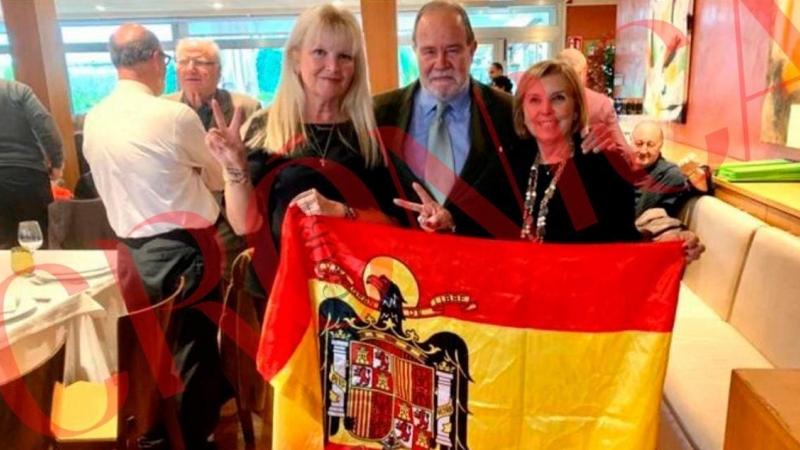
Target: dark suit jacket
486, 201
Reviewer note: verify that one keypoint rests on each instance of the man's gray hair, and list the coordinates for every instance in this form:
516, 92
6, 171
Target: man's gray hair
438, 5
133, 52
205, 44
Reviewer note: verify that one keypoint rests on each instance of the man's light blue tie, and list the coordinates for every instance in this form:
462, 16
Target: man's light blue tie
440, 177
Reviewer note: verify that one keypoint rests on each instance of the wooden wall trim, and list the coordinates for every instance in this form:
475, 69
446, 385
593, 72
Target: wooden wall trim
379, 19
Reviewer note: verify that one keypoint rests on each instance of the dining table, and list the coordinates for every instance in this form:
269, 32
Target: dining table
71, 297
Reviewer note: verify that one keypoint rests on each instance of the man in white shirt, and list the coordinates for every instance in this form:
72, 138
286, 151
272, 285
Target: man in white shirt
155, 175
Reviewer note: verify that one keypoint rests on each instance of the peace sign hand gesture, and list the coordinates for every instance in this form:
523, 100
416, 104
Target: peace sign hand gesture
224, 140
432, 217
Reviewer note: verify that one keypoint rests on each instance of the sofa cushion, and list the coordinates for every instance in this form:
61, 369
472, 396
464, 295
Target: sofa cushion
766, 309
685, 214
726, 233
692, 306
702, 356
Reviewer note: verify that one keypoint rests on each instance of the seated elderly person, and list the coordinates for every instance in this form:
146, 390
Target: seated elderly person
664, 185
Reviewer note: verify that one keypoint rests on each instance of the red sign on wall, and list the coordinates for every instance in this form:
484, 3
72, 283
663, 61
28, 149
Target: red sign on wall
575, 42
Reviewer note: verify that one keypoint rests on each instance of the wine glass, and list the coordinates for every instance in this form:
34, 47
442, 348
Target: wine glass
30, 235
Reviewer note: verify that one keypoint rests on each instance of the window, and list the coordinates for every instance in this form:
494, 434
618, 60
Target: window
91, 74
493, 17
6, 64
409, 67
251, 54
251, 51
276, 27
6, 67
91, 77
523, 55
513, 16
252, 71
99, 34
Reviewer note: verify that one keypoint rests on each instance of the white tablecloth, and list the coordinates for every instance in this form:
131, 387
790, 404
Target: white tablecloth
40, 312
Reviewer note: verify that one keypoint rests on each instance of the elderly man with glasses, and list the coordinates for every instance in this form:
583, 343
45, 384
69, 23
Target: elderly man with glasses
199, 73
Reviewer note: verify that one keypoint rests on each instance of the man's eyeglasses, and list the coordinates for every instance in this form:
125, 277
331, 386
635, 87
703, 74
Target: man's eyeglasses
204, 63
166, 57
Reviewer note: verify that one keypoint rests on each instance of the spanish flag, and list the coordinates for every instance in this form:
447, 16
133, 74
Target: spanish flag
383, 338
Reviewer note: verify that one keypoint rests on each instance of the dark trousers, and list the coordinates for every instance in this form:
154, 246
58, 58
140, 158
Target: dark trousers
159, 262
24, 195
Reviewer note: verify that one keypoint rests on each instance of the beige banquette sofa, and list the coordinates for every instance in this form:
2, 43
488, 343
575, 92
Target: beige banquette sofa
739, 307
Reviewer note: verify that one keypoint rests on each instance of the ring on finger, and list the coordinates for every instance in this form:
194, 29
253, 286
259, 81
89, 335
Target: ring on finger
420, 220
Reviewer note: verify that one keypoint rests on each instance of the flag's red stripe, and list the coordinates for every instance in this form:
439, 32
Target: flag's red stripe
588, 288
287, 320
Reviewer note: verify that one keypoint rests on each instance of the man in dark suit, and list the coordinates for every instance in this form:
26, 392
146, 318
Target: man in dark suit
473, 177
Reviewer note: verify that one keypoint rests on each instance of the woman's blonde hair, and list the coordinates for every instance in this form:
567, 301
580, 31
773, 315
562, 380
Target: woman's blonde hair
284, 123
532, 78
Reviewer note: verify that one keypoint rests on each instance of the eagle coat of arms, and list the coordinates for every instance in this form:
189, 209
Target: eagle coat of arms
382, 386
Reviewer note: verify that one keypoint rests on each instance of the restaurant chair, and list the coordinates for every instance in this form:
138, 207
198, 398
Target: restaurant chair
78, 224
15, 433
82, 405
251, 391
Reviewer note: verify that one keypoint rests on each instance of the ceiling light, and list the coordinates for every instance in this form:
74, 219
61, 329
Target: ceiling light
217, 5
338, 3
100, 8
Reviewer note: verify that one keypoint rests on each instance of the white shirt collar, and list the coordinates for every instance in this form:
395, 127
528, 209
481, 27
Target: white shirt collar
133, 86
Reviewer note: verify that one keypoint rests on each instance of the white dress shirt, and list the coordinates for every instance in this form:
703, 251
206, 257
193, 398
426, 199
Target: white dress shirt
149, 158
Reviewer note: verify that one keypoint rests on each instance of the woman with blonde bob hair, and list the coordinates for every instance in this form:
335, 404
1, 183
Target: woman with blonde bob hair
570, 196
314, 143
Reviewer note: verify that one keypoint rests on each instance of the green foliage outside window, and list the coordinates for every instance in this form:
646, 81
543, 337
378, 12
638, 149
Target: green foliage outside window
268, 68
171, 81
409, 68
91, 82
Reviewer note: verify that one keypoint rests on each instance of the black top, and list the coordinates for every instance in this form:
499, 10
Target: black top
593, 201
341, 175
664, 187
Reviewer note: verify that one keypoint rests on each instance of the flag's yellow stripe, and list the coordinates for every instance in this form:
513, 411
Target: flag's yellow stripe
531, 389
574, 390
297, 404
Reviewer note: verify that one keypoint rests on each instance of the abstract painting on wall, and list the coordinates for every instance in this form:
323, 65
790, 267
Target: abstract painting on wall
667, 59
780, 114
